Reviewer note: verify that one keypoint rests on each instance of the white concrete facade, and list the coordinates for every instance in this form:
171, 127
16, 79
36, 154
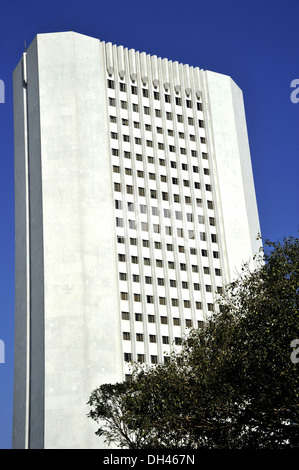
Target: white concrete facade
135, 204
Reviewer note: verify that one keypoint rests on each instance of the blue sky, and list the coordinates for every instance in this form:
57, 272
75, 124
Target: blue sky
253, 41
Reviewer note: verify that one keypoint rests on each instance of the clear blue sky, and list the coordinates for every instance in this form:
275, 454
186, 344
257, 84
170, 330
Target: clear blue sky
253, 41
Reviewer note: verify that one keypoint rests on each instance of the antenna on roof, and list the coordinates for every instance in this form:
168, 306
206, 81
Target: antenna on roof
25, 46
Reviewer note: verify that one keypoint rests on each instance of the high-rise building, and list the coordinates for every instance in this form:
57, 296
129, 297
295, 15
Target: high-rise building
135, 204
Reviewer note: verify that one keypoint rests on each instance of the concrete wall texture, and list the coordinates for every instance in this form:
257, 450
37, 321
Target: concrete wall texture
68, 337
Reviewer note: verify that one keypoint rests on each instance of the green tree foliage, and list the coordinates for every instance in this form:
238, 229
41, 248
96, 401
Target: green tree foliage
232, 385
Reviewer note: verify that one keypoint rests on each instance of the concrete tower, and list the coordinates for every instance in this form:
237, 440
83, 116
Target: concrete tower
135, 204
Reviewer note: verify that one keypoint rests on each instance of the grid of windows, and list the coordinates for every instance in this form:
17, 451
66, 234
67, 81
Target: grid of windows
164, 217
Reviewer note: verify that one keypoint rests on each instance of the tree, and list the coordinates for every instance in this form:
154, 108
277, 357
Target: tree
233, 383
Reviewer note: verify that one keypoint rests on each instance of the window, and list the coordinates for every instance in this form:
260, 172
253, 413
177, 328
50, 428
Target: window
119, 222
135, 278
158, 112
126, 336
127, 154
175, 302
184, 285
135, 107
140, 358
213, 238
160, 281
164, 320
127, 357
123, 105
114, 135
112, 118
189, 103
152, 338
134, 90
187, 303
126, 138
188, 323
122, 276
154, 359
147, 261
156, 95
196, 286
139, 337
151, 318
178, 101
167, 98
217, 272
112, 101
148, 280
190, 121
149, 299
162, 300
134, 259
124, 295
172, 283
169, 116
179, 118
115, 152
122, 87
138, 316
200, 123
208, 288
125, 315
145, 92
110, 84
137, 298
146, 110
165, 339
